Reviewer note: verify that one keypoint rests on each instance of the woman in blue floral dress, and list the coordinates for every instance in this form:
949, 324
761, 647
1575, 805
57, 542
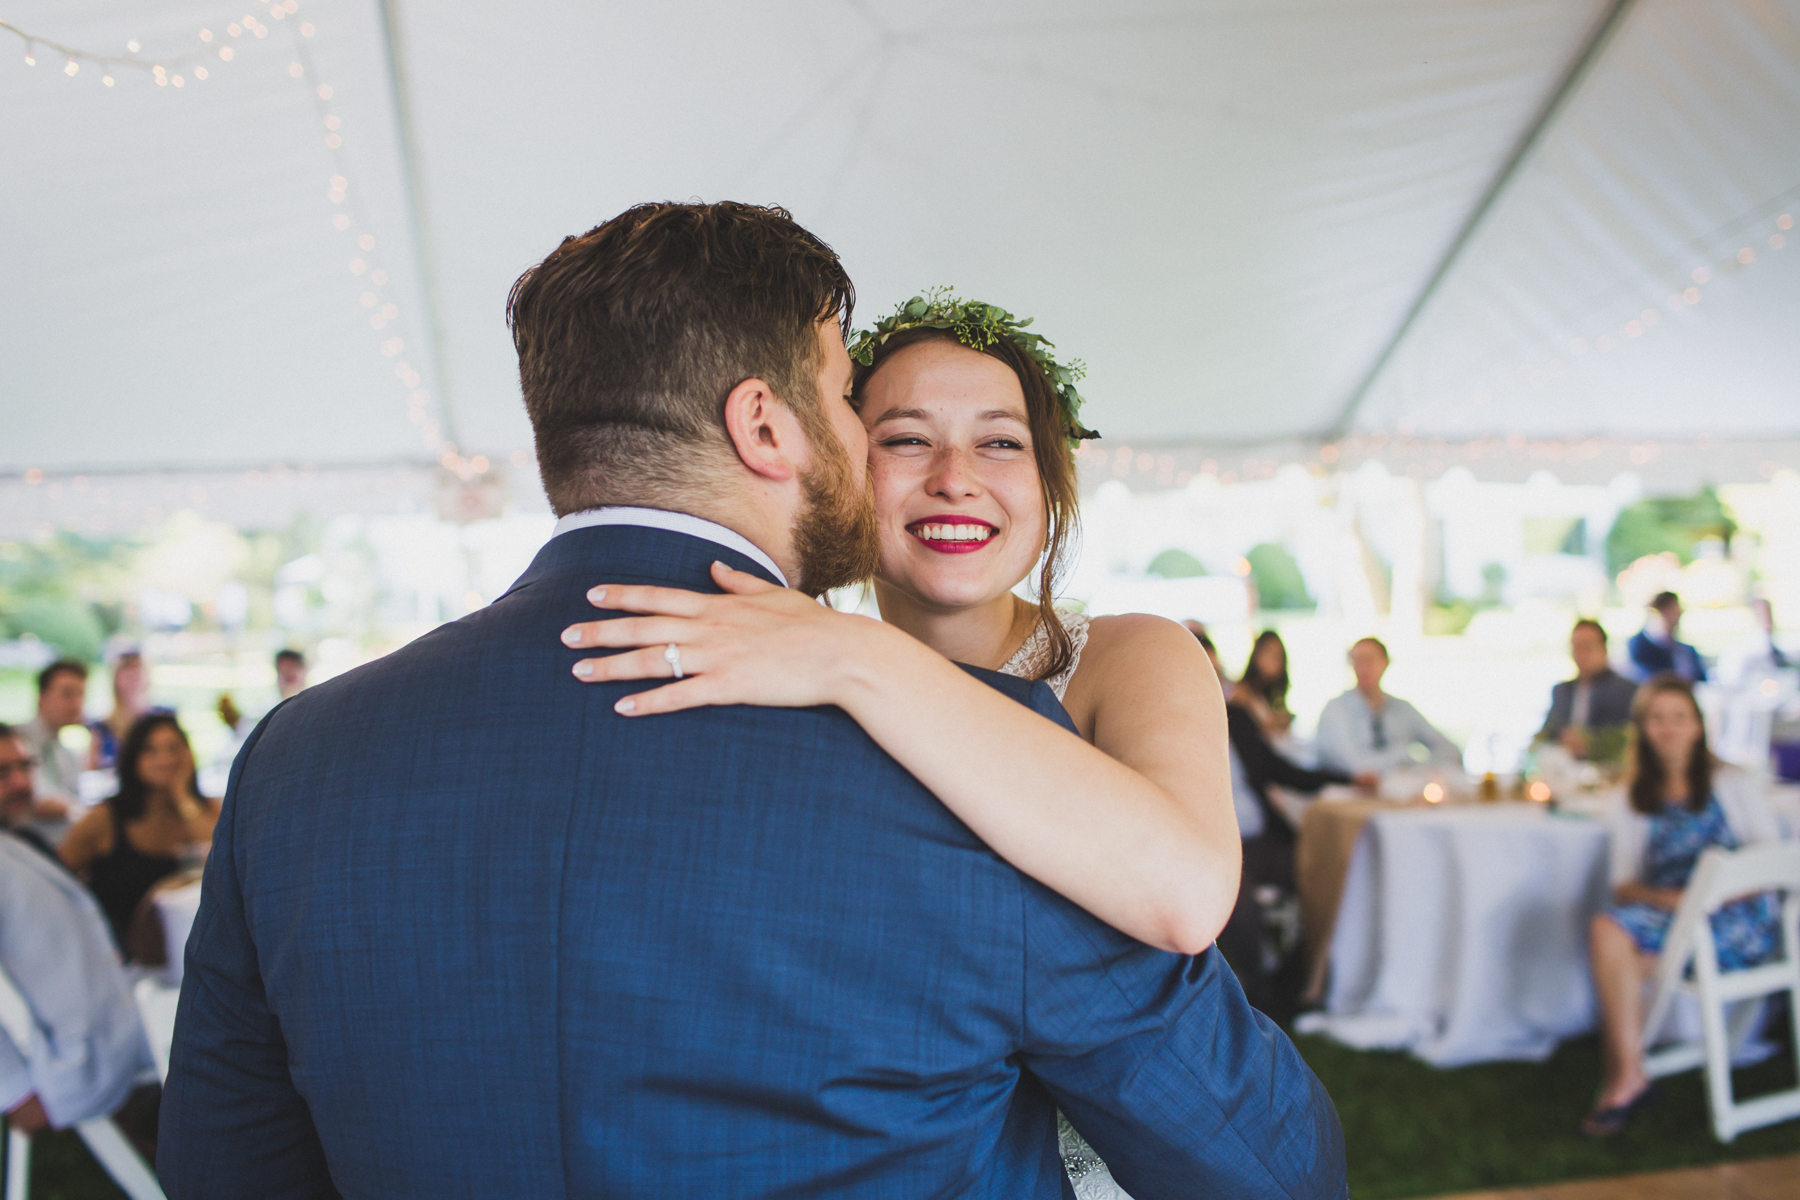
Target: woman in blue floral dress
1681, 802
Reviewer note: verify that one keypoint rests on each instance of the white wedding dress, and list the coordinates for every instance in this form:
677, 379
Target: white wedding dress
1089, 1175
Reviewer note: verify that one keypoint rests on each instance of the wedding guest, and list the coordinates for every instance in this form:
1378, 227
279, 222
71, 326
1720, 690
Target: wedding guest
290, 673
1365, 729
290, 681
1680, 801
1263, 689
153, 826
1598, 698
1656, 649
1755, 657
62, 691
18, 803
1269, 838
131, 700
89, 1048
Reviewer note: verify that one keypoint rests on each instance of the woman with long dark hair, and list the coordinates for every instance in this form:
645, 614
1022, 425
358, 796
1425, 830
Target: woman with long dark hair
1681, 800
153, 826
1263, 690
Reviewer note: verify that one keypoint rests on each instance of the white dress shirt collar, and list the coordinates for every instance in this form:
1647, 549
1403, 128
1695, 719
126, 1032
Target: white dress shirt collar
674, 522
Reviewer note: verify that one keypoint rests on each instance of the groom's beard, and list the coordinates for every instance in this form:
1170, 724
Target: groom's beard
836, 537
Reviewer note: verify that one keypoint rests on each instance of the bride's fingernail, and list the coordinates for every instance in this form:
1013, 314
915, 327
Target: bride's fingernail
626, 705
584, 669
597, 595
571, 636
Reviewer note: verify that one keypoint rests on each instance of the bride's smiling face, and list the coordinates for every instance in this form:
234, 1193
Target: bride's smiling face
957, 492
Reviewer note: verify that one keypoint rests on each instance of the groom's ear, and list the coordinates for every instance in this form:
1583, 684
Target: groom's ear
764, 432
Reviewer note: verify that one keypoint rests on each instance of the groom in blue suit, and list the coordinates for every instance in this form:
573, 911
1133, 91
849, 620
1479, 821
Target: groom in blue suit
468, 932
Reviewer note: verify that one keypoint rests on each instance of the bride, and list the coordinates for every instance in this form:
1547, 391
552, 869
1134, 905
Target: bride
970, 425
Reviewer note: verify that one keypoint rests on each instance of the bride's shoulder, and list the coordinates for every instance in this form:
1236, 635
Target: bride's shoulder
1139, 642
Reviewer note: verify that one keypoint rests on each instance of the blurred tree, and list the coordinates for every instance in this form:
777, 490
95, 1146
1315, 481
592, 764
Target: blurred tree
1279, 583
1176, 564
1667, 523
66, 591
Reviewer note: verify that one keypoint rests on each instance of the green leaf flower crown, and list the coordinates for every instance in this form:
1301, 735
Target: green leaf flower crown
978, 326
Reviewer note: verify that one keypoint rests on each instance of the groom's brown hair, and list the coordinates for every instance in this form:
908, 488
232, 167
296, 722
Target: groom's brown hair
631, 336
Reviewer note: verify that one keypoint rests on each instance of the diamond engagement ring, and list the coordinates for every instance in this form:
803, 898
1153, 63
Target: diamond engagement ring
672, 656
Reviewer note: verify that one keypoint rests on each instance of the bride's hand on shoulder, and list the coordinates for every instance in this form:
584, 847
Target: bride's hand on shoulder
756, 644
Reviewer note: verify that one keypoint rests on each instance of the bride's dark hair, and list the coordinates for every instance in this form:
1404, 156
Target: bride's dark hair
1056, 474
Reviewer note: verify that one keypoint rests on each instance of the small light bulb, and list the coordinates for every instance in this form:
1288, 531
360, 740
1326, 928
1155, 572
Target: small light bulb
206, 35
30, 61
333, 141
199, 72
306, 29
296, 70
340, 222
234, 29
324, 91
132, 45
107, 80
358, 266
225, 53
378, 277
176, 81
366, 241
70, 67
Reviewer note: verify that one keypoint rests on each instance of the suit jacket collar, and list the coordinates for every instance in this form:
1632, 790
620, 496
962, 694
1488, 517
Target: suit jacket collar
634, 554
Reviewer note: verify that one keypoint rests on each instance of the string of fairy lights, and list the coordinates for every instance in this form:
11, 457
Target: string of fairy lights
1765, 235
220, 45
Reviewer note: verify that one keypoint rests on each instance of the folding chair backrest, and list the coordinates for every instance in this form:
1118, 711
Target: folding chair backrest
1769, 867
1720, 877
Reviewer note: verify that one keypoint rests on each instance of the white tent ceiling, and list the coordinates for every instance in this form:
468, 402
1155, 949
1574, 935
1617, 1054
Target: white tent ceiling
1254, 219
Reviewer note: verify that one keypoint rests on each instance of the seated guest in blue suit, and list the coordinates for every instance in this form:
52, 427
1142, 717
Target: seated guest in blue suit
1655, 649
550, 949
1598, 698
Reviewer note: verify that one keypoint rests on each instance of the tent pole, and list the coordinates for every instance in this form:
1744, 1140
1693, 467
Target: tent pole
1597, 41
423, 244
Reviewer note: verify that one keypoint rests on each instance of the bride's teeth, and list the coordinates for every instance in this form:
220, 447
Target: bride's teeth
955, 533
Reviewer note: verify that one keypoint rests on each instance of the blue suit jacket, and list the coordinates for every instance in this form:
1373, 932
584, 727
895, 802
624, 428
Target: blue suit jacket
467, 932
1653, 658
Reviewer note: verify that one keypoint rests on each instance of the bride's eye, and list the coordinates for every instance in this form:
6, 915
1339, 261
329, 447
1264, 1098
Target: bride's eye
905, 439
1003, 444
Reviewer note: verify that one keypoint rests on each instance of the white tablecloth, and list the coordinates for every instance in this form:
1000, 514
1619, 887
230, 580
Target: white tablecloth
1462, 934
177, 908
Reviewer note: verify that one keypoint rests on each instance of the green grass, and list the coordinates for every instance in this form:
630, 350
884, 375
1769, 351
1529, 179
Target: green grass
1412, 1129
1417, 1130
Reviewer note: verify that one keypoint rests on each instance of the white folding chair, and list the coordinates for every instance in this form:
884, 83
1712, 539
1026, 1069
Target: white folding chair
1720, 877
110, 1148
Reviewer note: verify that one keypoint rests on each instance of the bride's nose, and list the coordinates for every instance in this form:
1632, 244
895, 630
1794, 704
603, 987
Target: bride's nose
952, 475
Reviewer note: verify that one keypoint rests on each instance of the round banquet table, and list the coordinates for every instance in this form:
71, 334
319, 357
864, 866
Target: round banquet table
1461, 933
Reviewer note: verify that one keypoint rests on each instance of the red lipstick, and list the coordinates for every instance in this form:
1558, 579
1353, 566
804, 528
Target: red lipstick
952, 533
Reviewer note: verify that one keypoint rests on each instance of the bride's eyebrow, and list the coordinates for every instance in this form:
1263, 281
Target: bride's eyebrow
901, 414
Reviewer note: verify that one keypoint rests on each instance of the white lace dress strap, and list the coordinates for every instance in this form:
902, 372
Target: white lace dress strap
1035, 653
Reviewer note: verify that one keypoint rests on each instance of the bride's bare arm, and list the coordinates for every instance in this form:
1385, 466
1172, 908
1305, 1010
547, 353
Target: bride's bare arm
1138, 828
